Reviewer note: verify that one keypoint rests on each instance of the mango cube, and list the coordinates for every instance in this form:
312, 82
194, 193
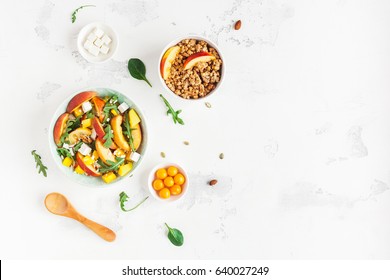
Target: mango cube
109, 177
134, 118
78, 112
113, 112
88, 160
95, 155
124, 169
78, 170
67, 162
86, 123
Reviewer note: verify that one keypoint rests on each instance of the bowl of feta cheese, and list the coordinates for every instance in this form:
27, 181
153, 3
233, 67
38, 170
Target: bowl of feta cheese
97, 42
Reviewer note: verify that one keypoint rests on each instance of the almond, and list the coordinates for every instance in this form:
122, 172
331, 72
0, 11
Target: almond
213, 182
237, 25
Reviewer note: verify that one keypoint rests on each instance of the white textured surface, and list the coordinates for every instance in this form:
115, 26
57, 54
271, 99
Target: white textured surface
303, 121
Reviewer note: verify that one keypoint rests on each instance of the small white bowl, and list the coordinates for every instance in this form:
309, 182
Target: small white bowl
196, 37
82, 37
152, 176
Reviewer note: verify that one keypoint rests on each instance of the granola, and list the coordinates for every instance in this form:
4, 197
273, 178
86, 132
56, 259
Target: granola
199, 80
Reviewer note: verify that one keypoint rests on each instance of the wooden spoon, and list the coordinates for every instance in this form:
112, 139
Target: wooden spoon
58, 204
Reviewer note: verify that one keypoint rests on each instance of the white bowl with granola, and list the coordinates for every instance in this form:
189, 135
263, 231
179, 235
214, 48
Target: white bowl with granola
191, 67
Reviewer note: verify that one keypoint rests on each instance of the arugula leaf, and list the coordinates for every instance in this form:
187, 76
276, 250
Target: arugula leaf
127, 132
123, 197
77, 10
175, 236
39, 163
110, 105
77, 146
70, 126
64, 152
108, 136
175, 114
137, 70
111, 166
90, 114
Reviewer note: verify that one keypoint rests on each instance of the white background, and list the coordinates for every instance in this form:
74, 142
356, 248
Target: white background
302, 119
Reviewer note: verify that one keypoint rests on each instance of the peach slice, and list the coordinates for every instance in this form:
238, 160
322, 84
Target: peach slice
99, 105
97, 125
104, 153
59, 128
79, 99
79, 134
196, 58
167, 60
88, 169
136, 133
119, 139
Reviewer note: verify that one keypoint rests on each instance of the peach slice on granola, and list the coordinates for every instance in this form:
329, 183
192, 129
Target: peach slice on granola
167, 60
195, 58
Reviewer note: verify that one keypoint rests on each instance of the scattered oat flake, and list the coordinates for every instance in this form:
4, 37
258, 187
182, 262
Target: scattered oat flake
186, 143
208, 105
162, 154
221, 155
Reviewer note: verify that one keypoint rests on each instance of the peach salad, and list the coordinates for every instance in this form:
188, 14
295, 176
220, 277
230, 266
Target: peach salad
98, 136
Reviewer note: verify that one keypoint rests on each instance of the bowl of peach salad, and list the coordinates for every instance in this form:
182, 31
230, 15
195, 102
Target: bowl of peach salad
98, 136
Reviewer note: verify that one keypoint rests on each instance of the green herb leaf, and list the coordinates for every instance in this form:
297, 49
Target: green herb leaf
175, 114
110, 105
111, 166
123, 197
77, 10
77, 146
108, 136
39, 163
127, 132
137, 70
175, 236
64, 152
90, 114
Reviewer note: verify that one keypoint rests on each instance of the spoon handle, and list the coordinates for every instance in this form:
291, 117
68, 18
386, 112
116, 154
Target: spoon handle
104, 232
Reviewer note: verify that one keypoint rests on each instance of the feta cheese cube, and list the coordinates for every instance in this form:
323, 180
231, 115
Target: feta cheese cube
91, 37
123, 107
93, 134
85, 149
94, 50
106, 40
104, 49
71, 152
87, 106
66, 146
98, 32
98, 43
87, 44
134, 156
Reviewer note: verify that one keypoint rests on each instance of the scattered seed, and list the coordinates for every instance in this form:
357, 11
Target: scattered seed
208, 105
237, 25
162, 154
186, 143
213, 182
221, 155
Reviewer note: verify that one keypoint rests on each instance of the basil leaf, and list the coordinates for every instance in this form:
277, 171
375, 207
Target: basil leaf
175, 236
137, 70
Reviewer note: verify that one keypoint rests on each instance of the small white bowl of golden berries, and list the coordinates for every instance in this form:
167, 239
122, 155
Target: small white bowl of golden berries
168, 182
